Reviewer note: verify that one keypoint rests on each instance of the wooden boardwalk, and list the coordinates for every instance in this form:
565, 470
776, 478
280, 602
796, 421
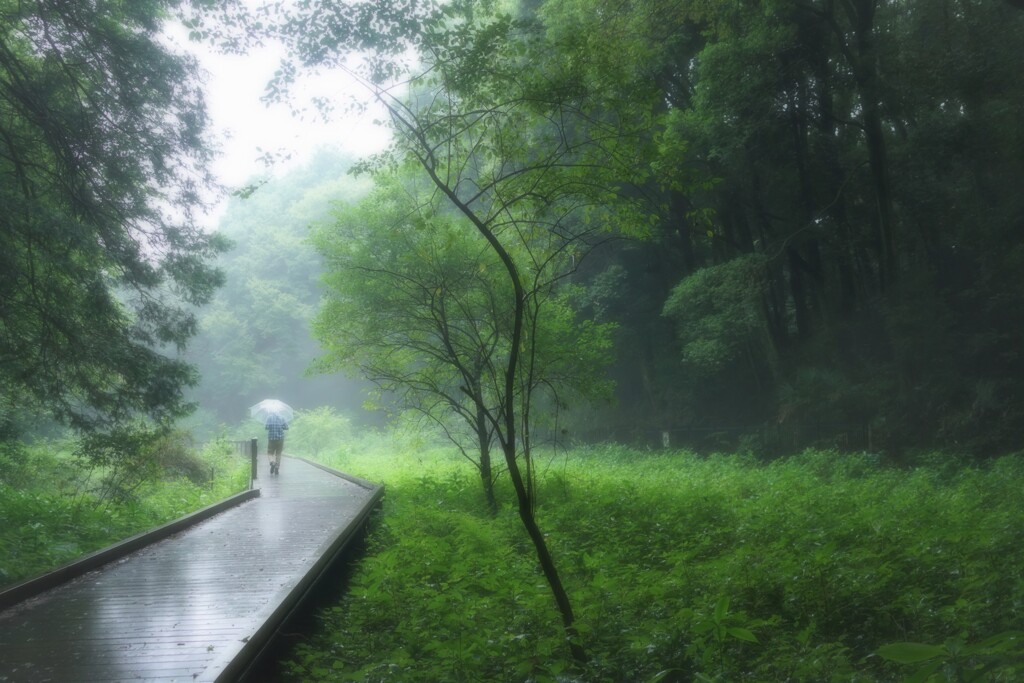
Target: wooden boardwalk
199, 605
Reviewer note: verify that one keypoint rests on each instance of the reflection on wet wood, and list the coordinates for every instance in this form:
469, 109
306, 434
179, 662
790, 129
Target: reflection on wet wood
197, 605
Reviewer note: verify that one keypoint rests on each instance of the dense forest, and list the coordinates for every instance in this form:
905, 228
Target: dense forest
797, 222
602, 229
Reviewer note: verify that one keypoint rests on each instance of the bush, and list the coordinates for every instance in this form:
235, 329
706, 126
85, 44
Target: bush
315, 431
679, 567
53, 514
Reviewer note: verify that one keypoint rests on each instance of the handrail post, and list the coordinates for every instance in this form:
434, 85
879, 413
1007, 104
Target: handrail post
252, 450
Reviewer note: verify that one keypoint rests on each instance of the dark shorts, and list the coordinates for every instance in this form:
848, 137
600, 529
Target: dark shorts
275, 446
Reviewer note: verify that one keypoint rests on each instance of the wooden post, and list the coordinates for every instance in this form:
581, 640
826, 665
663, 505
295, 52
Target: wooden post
252, 450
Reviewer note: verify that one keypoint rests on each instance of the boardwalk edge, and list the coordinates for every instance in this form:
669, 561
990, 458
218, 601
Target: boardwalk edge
363, 483
245, 665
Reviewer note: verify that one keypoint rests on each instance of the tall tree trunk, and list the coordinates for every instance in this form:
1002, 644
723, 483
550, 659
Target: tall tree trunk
798, 292
523, 489
863, 62
796, 264
508, 410
883, 194
679, 206
486, 470
774, 300
544, 557
834, 183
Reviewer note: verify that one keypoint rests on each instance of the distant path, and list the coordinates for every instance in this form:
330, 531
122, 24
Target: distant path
197, 606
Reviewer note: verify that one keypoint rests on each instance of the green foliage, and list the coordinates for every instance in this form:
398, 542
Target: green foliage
806, 135
993, 659
317, 430
716, 311
683, 568
102, 131
130, 458
419, 304
254, 338
56, 507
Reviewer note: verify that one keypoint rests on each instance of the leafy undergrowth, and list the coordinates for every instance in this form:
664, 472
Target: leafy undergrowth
52, 514
683, 568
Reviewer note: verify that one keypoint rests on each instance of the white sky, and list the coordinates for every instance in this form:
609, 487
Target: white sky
246, 128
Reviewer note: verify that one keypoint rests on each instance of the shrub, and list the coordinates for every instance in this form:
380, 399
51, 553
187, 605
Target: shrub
53, 515
680, 568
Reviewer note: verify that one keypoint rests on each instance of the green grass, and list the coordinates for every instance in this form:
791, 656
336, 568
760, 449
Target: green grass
682, 568
53, 512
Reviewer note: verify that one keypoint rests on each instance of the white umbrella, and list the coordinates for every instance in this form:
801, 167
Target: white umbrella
271, 406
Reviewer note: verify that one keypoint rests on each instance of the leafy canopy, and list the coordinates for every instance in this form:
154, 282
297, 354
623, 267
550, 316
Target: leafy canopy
102, 160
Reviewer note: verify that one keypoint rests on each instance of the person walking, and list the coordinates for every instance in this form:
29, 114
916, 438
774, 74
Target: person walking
275, 441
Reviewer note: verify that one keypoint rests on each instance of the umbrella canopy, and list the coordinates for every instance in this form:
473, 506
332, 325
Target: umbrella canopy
271, 406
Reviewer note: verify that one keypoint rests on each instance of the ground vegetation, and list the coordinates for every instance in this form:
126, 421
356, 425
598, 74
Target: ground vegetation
814, 567
58, 503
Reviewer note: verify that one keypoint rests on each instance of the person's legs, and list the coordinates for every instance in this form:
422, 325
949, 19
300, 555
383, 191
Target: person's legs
274, 448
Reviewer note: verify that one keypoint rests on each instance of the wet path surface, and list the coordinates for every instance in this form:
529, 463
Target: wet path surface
193, 606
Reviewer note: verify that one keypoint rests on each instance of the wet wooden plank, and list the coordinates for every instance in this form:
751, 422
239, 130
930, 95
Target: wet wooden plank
191, 607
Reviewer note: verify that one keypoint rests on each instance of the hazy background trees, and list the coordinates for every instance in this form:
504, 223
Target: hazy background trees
254, 337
